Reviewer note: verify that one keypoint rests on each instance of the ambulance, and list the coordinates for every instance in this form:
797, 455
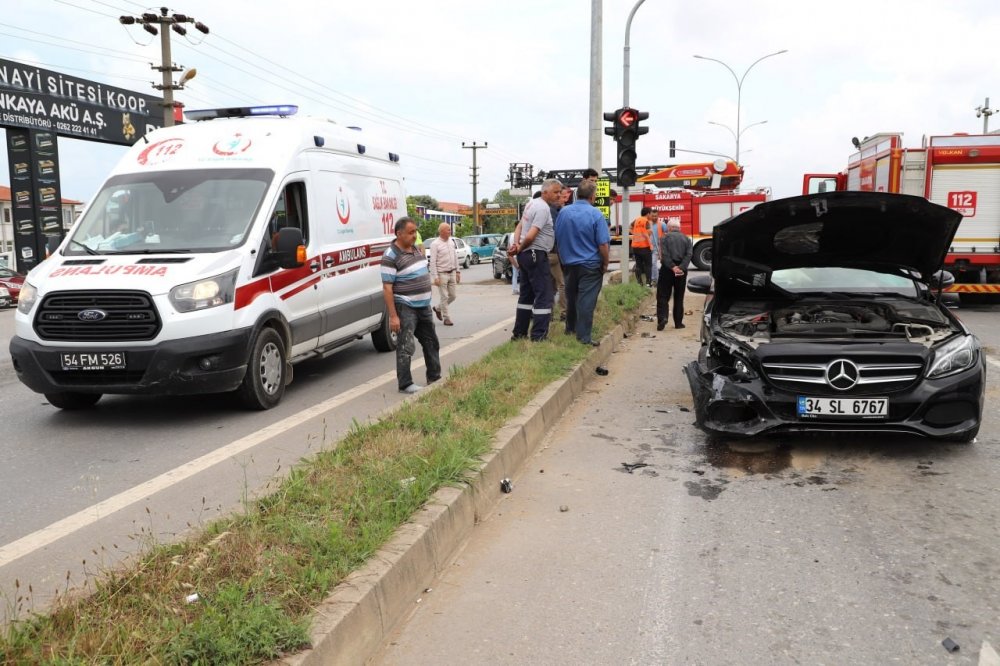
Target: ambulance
217, 254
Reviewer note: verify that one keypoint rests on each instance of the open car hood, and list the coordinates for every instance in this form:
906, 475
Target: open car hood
890, 233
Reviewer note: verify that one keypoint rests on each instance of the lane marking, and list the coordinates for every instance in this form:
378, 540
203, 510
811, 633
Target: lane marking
90, 515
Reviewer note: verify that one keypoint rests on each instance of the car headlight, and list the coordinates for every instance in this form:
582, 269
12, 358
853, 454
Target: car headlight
26, 299
954, 356
744, 371
207, 293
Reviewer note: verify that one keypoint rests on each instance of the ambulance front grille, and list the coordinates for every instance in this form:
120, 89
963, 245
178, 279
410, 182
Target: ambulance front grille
97, 316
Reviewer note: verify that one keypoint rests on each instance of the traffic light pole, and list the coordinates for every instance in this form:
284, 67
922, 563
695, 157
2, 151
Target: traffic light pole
626, 231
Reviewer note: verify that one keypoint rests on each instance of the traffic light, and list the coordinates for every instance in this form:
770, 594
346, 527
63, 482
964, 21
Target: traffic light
629, 130
673, 148
612, 130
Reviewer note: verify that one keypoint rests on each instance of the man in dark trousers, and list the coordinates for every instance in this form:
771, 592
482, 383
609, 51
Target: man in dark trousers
531, 243
675, 253
582, 235
406, 289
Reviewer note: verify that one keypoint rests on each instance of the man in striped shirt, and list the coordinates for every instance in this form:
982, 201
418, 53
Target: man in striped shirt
406, 289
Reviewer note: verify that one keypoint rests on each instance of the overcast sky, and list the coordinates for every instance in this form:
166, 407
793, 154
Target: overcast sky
516, 74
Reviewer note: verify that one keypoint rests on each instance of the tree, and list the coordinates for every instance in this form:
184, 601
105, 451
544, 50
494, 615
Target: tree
425, 200
501, 223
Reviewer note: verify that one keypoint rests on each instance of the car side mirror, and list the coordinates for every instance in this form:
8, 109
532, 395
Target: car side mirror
941, 280
289, 248
700, 284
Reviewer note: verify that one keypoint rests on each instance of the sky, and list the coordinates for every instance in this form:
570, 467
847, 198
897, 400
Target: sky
516, 76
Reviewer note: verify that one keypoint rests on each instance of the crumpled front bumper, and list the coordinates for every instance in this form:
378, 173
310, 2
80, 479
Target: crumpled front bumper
942, 408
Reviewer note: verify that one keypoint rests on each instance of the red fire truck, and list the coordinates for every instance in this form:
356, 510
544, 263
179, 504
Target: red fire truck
961, 171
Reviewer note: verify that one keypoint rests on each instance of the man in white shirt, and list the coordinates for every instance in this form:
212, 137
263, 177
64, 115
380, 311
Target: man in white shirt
444, 271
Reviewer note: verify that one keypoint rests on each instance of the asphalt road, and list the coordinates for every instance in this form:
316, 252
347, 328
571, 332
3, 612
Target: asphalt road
94, 485
823, 550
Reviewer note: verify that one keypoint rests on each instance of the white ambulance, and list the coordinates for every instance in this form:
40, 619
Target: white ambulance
216, 255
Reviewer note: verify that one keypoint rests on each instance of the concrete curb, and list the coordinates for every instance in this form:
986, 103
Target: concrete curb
351, 626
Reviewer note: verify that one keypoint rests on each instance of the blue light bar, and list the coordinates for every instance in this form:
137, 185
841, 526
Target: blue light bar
242, 112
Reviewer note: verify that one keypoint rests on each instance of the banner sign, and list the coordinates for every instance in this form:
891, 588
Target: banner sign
603, 200
40, 99
36, 202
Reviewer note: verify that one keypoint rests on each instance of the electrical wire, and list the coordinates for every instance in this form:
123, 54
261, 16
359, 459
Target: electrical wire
92, 11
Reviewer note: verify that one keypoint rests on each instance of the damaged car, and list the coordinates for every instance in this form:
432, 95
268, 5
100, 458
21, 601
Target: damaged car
826, 315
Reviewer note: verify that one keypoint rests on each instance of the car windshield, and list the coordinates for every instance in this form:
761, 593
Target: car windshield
842, 281
198, 210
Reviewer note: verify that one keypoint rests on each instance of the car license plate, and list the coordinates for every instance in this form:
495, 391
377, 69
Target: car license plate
843, 407
93, 361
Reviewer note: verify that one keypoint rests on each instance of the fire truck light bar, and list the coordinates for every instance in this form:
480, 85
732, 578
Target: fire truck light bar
242, 112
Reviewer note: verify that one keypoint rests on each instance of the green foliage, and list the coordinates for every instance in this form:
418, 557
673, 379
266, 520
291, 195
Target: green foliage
424, 200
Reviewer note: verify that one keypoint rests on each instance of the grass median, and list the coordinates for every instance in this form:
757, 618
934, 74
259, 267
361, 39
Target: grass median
243, 589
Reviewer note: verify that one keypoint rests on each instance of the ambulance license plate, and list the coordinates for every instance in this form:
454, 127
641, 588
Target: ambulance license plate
843, 407
93, 361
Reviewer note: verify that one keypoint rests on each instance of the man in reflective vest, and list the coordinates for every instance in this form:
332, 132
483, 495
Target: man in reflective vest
641, 248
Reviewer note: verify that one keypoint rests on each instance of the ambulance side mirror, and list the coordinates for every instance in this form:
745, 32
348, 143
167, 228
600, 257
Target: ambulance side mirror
289, 248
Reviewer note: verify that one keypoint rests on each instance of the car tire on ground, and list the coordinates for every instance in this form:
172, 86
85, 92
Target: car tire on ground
264, 383
382, 337
497, 271
475, 259
508, 274
702, 256
465, 262
71, 400
966, 437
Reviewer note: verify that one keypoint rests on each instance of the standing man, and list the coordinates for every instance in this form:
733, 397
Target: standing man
444, 271
582, 234
590, 174
558, 283
406, 289
675, 249
531, 244
641, 248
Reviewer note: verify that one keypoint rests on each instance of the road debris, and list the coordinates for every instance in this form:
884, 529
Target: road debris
647, 318
192, 598
663, 411
506, 486
601, 370
563, 508
630, 467
950, 645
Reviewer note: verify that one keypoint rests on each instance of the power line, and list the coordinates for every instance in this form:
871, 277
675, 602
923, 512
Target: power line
92, 11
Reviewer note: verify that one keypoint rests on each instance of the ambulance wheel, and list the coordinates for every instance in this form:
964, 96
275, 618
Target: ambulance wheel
72, 400
384, 339
264, 383
702, 257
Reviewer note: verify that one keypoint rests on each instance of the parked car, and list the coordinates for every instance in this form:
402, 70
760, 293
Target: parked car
501, 262
825, 317
12, 281
482, 245
5, 298
461, 248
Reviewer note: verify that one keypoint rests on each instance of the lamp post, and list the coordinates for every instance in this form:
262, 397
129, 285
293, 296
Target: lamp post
735, 135
739, 90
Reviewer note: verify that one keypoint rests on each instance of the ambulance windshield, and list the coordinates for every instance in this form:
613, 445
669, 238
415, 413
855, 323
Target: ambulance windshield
198, 210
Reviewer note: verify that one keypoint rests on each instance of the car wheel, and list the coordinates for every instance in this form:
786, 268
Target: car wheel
72, 400
475, 259
264, 383
508, 274
383, 338
465, 262
702, 257
497, 271
966, 437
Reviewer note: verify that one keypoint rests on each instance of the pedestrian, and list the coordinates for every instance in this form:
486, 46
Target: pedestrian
582, 234
558, 283
531, 244
675, 250
590, 174
641, 249
657, 229
406, 290
445, 274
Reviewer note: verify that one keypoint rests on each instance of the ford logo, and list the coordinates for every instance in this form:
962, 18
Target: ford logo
91, 315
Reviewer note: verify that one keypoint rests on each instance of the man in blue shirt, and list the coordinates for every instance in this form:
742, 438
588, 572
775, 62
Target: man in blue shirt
582, 236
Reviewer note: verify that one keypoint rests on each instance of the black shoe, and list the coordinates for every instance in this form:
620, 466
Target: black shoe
661, 325
678, 325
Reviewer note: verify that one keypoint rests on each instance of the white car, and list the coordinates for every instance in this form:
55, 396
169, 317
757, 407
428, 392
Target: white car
5, 299
461, 248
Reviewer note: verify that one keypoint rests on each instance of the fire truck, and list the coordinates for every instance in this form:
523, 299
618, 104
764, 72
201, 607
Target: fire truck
961, 171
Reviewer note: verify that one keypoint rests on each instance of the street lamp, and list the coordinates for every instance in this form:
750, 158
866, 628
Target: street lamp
737, 136
739, 90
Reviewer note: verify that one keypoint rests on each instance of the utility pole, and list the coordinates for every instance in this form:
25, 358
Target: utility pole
475, 181
166, 22
985, 112
596, 85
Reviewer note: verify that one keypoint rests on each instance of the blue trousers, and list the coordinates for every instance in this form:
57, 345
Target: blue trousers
583, 286
534, 301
